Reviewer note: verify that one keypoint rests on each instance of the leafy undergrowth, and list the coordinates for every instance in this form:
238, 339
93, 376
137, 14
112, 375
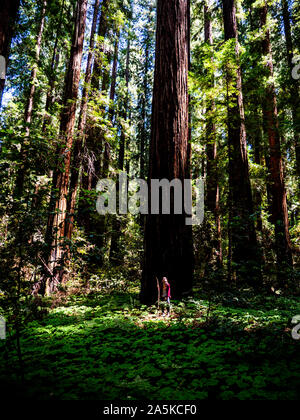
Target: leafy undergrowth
107, 346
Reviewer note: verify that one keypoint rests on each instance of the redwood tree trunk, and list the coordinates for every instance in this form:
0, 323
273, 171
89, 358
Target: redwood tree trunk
67, 132
277, 187
168, 241
8, 15
245, 261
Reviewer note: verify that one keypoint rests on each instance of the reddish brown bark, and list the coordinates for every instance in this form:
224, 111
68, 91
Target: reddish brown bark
8, 15
67, 132
245, 260
168, 241
144, 102
275, 164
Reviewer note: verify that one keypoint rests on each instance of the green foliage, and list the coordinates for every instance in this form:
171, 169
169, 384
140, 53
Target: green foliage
106, 346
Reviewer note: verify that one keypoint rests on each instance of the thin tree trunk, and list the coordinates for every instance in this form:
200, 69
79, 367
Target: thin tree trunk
277, 187
8, 15
112, 93
106, 155
54, 65
143, 112
258, 161
67, 133
168, 241
294, 85
29, 107
114, 78
114, 255
21, 175
78, 148
93, 139
244, 247
125, 111
103, 28
213, 191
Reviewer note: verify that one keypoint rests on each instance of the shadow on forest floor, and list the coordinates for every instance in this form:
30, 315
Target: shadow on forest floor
109, 347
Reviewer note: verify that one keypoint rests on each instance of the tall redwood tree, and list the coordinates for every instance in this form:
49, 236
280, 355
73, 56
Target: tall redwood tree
168, 241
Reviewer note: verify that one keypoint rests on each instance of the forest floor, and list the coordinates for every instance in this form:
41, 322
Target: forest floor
106, 346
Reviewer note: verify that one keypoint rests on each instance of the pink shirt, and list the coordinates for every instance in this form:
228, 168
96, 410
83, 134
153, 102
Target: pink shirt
166, 292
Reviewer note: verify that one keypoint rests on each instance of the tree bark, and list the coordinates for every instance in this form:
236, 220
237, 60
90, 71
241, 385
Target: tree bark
52, 76
245, 261
277, 187
212, 185
78, 147
67, 124
168, 241
8, 15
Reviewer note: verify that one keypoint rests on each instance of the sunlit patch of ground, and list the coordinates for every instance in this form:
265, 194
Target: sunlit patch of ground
108, 346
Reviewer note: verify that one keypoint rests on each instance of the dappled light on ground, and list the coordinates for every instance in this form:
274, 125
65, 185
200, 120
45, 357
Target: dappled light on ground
110, 347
